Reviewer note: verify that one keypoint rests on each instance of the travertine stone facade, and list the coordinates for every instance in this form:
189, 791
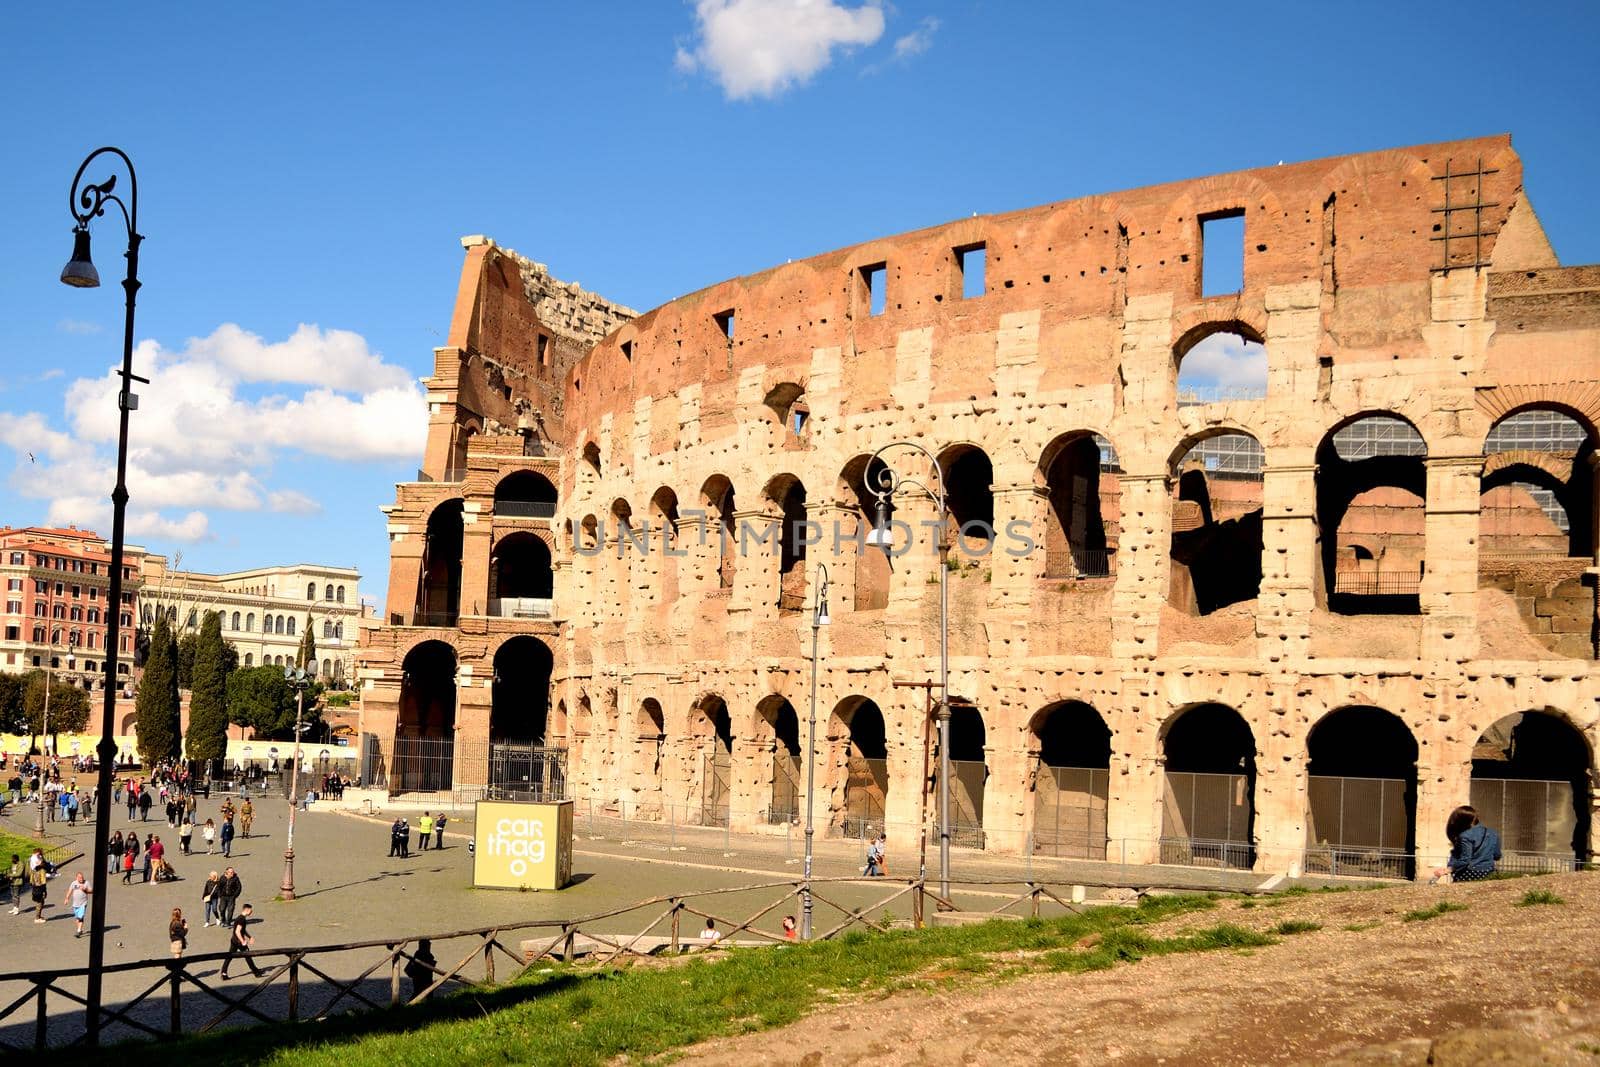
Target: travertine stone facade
759, 400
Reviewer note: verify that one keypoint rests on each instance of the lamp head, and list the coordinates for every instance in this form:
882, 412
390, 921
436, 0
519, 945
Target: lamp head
822, 618
879, 536
79, 271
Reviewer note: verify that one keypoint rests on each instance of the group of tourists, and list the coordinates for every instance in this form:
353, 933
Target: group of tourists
40, 780
427, 827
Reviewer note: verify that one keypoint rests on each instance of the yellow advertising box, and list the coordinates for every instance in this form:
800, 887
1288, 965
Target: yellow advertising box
519, 845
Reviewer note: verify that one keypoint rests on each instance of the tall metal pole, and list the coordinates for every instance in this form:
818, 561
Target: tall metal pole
44, 739
818, 615
85, 204
299, 682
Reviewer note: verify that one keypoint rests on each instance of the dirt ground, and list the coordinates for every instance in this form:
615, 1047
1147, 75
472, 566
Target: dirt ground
1496, 982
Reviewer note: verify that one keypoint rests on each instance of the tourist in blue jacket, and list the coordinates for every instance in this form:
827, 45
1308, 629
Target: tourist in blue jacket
1474, 847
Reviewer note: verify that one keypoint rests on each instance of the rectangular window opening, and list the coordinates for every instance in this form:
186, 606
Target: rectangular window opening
874, 282
543, 343
970, 262
725, 323
1222, 252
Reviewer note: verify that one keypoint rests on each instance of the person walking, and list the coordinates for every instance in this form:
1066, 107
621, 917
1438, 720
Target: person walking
38, 876
227, 835
213, 903
133, 801
185, 835
424, 831
875, 860
114, 853
178, 933
144, 805
229, 889
422, 967
405, 838
16, 879
127, 864
78, 900
438, 832
69, 803
247, 815
148, 841
394, 837
239, 943
158, 858
209, 832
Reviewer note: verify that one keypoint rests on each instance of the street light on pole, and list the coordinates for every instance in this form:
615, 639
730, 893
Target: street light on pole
299, 681
890, 483
44, 741
819, 619
88, 202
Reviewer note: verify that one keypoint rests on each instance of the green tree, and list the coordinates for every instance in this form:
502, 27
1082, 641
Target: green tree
69, 706
157, 703
13, 720
260, 698
207, 738
187, 644
230, 657
308, 649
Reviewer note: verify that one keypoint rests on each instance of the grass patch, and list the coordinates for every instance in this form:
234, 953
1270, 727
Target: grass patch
1296, 926
54, 851
1444, 907
595, 1015
1538, 896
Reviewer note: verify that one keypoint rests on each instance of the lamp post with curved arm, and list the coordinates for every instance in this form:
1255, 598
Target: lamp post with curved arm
819, 619
890, 483
298, 680
86, 202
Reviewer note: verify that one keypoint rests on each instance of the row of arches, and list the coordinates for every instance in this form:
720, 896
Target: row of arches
330, 592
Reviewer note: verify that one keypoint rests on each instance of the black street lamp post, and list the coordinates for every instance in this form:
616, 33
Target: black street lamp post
88, 202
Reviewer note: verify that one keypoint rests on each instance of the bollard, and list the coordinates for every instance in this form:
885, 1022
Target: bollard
175, 993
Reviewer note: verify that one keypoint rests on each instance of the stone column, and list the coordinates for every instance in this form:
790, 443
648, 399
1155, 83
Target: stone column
1450, 582
758, 535
913, 612
477, 535
1289, 563
839, 554
1281, 784
1142, 555
1015, 571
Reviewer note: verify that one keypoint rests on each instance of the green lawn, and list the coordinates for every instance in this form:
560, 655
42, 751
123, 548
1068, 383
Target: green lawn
592, 1015
24, 843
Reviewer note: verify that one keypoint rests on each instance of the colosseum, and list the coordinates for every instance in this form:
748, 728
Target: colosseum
1262, 506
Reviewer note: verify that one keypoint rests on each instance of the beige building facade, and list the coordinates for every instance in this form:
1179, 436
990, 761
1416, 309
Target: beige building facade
1285, 625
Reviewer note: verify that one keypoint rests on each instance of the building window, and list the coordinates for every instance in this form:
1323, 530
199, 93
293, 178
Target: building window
235, 625
92, 636
311, 590
77, 591
58, 612
40, 586
874, 288
291, 626
61, 589
249, 659
38, 636
327, 628
13, 633
338, 630
16, 559
970, 263
127, 618
40, 610
1222, 253
339, 594
94, 614
13, 607
250, 622
14, 584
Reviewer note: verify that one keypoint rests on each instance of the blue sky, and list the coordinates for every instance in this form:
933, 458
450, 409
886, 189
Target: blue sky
306, 170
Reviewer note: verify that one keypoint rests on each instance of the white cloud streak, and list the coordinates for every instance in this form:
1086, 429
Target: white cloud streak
766, 47
918, 40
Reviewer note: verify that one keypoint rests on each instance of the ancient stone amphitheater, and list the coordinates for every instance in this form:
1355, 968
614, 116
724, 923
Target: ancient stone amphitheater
1263, 502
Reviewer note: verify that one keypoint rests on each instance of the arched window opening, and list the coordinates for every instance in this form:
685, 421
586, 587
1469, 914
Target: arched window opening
1208, 802
520, 710
235, 625
1538, 488
522, 578
1081, 476
291, 625
311, 590
1531, 775
717, 498
873, 567
650, 736
969, 771
1218, 362
1371, 493
1216, 524
591, 459
424, 743
327, 627
338, 594
327, 668
788, 494
249, 659
525, 494
439, 598
969, 499
250, 622
789, 412
857, 732
328, 592
782, 727
1071, 781
714, 728
664, 518
1361, 794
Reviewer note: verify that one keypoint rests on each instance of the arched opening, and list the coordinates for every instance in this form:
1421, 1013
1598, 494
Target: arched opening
969, 772
439, 598
1221, 361
1531, 781
1071, 781
1372, 490
858, 729
1209, 784
1216, 523
716, 496
873, 567
1079, 471
1362, 794
790, 412
591, 459
525, 494
464, 433
713, 727
311, 590
424, 743
526, 760
776, 716
969, 498
664, 516
650, 736
788, 494
522, 580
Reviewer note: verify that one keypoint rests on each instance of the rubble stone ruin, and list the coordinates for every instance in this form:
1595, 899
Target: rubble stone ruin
1304, 457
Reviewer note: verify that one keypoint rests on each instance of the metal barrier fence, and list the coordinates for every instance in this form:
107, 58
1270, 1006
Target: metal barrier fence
527, 772
422, 764
1359, 826
785, 803
866, 786
1206, 819
1069, 812
317, 982
1375, 583
1537, 820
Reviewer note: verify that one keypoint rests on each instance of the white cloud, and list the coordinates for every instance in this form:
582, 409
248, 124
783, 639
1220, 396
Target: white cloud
206, 433
918, 40
1225, 364
78, 326
764, 47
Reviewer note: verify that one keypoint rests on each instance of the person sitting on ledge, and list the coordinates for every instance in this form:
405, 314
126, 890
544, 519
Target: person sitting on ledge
1474, 848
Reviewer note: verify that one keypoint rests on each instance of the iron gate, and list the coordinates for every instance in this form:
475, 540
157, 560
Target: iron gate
1537, 821
527, 772
716, 787
866, 785
785, 804
967, 779
1069, 812
1205, 820
1358, 826
422, 764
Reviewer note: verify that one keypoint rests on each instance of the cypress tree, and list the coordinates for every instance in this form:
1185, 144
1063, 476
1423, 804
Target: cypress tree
308, 649
207, 738
157, 703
